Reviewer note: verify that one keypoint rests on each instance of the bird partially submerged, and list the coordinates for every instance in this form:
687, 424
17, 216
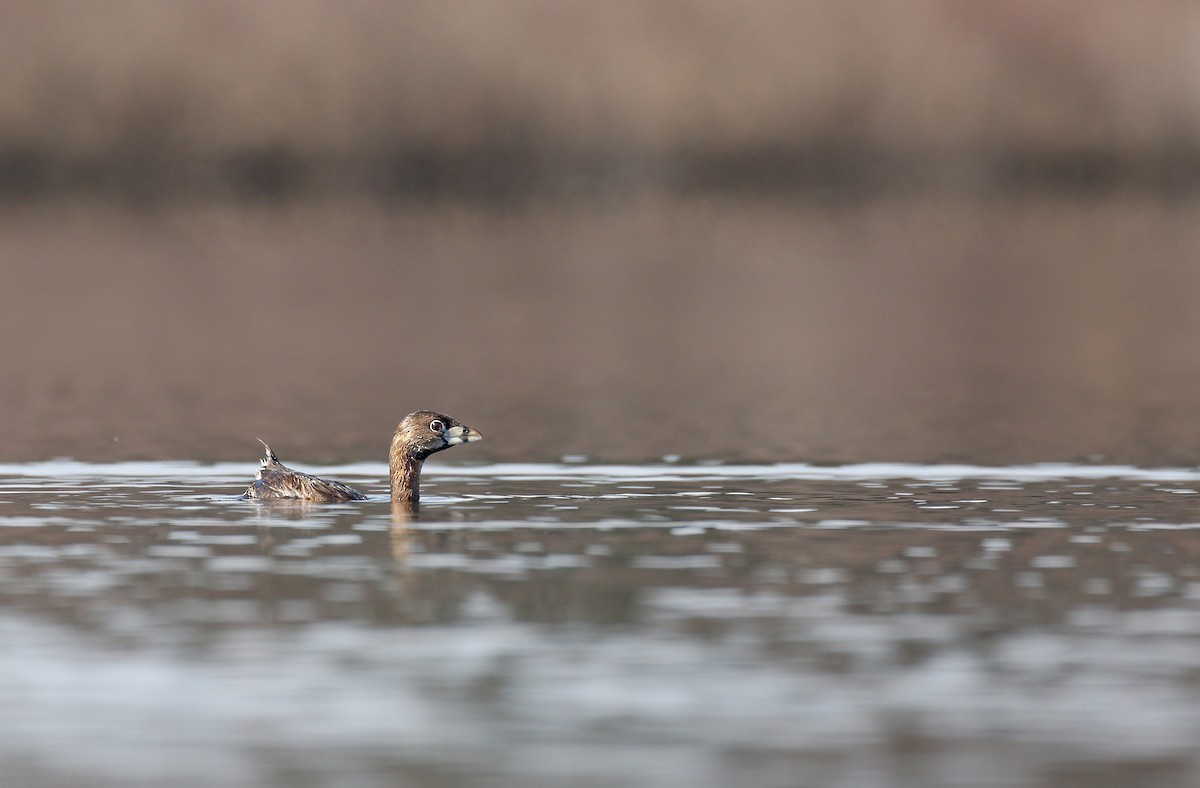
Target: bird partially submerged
418, 435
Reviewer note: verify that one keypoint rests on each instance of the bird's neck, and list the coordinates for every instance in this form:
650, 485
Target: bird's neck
406, 478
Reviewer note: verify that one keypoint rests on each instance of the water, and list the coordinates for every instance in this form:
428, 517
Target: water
582, 624
725, 615
745, 330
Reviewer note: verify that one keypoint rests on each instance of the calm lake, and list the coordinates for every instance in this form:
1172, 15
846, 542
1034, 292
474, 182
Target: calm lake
580, 624
795, 492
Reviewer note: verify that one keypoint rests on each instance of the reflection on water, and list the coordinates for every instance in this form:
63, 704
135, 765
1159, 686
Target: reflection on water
736, 329
597, 625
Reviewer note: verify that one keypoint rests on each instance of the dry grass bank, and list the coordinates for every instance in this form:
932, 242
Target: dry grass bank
277, 97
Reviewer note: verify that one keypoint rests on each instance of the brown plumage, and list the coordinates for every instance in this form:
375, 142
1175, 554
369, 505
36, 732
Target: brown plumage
418, 435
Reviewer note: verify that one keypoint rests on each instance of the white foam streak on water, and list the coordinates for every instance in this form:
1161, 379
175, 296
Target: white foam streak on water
876, 471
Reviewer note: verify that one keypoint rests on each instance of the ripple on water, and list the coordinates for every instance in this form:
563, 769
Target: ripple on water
787, 614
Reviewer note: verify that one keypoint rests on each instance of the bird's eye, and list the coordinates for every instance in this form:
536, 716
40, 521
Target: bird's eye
436, 425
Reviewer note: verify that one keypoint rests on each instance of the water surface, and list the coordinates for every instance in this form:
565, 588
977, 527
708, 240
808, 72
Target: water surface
583, 624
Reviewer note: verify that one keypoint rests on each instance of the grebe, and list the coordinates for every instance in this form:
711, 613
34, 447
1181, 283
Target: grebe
418, 435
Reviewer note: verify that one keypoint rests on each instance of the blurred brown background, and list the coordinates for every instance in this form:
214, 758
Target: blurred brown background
819, 231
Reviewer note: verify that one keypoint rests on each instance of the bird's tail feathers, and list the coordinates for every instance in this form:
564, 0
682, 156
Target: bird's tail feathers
268, 455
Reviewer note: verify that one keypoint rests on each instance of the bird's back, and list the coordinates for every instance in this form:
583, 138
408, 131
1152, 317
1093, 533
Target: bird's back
275, 481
